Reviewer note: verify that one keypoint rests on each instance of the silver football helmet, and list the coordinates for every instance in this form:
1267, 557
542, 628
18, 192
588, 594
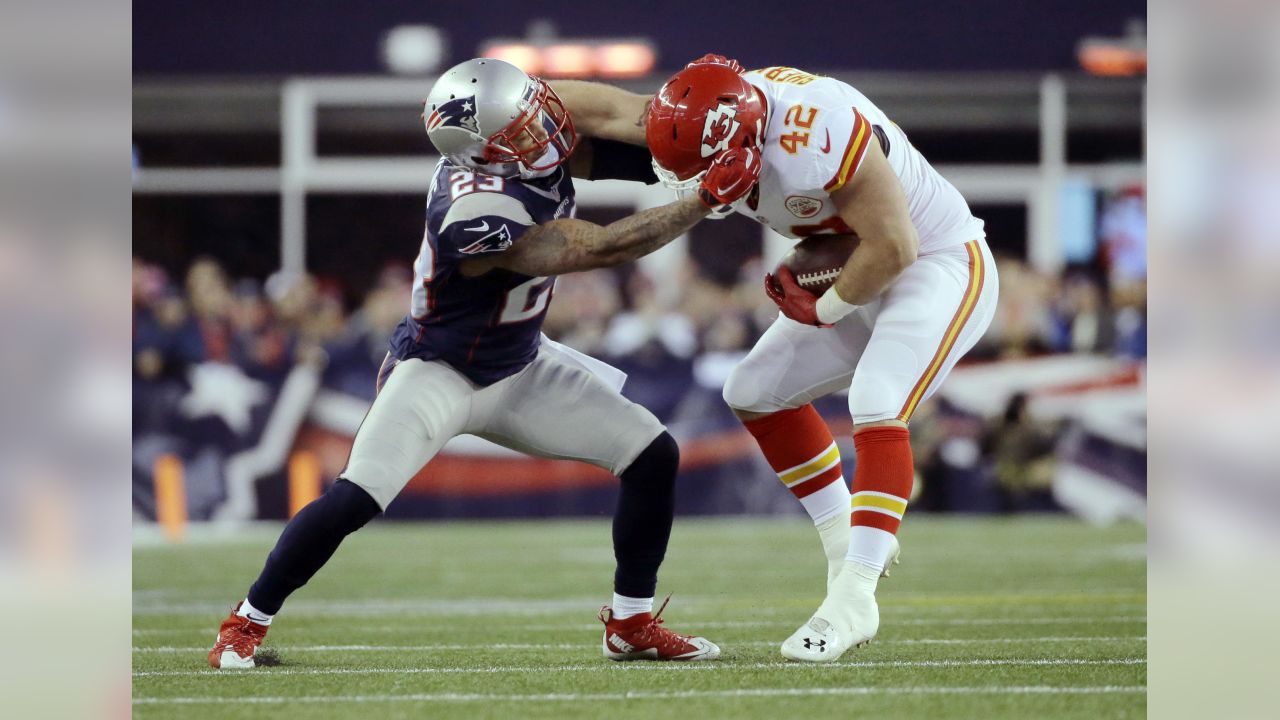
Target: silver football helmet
489, 115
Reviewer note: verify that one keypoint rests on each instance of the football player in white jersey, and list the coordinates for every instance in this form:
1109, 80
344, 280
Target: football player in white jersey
914, 297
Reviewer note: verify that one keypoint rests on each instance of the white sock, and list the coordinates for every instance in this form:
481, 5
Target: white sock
835, 543
253, 613
869, 546
625, 607
828, 502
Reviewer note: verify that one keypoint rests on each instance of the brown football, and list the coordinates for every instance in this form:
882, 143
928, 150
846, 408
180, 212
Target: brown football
818, 259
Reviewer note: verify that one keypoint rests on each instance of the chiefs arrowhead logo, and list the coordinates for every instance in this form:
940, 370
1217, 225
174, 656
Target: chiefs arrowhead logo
803, 207
720, 126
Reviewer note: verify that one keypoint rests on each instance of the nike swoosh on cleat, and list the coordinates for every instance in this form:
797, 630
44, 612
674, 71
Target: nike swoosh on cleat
827, 148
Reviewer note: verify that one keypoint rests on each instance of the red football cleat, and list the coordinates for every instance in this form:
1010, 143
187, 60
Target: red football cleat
642, 637
238, 638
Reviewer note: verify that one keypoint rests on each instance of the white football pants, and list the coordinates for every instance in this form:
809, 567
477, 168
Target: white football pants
892, 353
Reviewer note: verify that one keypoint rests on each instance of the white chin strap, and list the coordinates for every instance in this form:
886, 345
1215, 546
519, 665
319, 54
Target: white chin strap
550, 156
510, 170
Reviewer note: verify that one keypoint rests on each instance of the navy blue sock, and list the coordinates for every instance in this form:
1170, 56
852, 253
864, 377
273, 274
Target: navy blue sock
642, 522
309, 540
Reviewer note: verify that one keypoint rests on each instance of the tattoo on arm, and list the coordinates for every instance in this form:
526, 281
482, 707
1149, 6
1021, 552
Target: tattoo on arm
640, 234
644, 114
562, 246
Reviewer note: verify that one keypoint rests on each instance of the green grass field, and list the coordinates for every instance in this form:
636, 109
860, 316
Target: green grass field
985, 618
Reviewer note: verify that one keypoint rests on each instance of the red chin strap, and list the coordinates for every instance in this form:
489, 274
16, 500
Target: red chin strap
502, 146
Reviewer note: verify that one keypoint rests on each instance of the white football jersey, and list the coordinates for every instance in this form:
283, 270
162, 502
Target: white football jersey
817, 130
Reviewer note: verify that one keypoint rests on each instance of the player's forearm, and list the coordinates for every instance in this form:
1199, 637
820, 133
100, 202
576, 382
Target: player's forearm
604, 111
874, 266
563, 246
638, 235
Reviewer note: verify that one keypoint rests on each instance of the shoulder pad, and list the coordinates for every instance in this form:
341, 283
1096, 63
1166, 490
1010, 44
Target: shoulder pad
482, 204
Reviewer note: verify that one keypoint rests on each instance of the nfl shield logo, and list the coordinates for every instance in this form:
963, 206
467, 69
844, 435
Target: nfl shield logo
803, 207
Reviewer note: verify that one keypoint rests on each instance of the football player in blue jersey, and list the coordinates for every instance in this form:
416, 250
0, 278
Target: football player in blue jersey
470, 357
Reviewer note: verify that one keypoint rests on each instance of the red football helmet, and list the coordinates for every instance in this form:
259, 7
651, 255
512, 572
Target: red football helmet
701, 111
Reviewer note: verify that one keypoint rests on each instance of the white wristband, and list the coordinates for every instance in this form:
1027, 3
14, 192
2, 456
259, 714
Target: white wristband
831, 307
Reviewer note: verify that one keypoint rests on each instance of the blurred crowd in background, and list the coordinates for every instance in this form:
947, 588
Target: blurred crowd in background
264, 327
210, 349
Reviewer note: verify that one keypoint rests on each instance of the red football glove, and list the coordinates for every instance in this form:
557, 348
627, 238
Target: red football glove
794, 301
731, 176
714, 59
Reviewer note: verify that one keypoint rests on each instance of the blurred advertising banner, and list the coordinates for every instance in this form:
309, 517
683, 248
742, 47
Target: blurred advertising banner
1038, 434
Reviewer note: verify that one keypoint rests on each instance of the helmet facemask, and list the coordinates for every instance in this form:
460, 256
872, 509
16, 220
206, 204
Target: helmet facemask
687, 188
539, 139
673, 181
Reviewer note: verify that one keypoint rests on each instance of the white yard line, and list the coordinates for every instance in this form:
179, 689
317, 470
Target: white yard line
388, 648
1085, 620
460, 606
691, 619
166, 603
583, 646
647, 695
698, 624
651, 667
1049, 639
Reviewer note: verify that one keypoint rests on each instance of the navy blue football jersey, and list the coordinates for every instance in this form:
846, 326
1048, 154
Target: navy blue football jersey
487, 327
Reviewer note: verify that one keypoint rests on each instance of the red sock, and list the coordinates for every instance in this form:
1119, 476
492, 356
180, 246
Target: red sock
800, 449
882, 478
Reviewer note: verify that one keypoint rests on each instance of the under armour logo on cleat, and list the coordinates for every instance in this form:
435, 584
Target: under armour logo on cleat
810, 644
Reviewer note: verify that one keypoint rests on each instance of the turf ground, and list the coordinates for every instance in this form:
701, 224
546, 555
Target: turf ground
1003, 618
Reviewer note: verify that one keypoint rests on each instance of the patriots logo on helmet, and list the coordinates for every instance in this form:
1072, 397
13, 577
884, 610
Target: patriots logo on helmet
721, 124
459, 112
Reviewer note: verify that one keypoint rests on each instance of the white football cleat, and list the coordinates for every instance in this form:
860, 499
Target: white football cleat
892, 559
815, 641
849, 617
